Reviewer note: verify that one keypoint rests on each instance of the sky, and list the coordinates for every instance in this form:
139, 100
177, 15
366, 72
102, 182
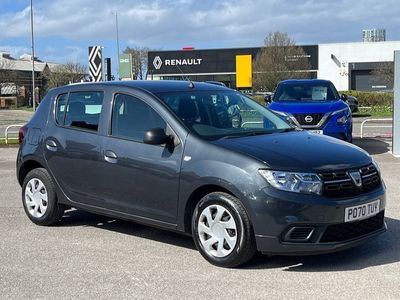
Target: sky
65, 28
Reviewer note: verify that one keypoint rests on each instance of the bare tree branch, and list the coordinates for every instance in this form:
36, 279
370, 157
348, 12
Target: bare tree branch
139, 61
64, 74
280, 59
385, 71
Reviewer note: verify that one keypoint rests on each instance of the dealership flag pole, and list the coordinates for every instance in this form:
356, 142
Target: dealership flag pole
396, 106
33, 62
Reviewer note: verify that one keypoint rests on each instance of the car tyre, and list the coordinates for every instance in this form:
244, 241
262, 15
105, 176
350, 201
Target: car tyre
39, 198
222, 230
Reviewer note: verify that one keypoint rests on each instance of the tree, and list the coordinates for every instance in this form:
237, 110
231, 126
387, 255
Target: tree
139, 61
64, 74
385, 71
280, 59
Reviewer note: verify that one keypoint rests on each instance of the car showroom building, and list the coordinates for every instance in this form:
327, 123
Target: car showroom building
347, 65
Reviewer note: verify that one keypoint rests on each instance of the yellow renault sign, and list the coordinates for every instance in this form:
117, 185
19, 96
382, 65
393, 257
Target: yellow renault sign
244, 71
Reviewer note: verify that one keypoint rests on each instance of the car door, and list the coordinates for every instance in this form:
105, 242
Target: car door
137, 178
72, 145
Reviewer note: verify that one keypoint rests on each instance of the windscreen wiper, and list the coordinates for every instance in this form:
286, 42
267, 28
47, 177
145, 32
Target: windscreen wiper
253, 133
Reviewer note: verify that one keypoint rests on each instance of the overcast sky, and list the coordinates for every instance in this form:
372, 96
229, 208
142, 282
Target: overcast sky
65, 28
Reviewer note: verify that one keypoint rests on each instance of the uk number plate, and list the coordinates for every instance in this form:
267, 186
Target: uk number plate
316, 131
362, 211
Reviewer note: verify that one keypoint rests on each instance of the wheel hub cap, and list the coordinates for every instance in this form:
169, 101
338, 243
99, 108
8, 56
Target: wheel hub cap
36, 198
217, 231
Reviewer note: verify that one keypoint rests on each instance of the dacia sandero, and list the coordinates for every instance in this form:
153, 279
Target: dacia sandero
200, 159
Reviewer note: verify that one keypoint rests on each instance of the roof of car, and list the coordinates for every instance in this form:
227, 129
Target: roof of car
155, 86
302, 81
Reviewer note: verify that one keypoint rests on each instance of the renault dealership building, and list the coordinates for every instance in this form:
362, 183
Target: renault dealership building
347, 65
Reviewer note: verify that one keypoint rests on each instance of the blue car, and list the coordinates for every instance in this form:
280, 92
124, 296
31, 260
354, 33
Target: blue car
314, 105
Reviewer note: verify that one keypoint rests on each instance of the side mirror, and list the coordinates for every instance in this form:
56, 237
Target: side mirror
343, 97
157, 136
268, 99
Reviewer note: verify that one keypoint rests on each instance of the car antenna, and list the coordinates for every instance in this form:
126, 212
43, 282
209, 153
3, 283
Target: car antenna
185, 77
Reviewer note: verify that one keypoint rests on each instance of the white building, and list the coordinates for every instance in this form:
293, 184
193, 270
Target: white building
350, 65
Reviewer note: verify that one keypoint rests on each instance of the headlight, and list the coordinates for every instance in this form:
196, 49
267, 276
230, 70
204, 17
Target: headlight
282, 114
308, 183
378, 169
344, 115
342, 120
344, 110
288, 117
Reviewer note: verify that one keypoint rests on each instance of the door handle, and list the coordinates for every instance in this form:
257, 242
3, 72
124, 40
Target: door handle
51, 145
110, 156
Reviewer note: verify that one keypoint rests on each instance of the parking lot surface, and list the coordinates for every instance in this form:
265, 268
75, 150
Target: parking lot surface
89, 256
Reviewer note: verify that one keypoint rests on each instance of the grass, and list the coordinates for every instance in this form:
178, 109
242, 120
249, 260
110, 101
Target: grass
374, 112
11, 142
26, 108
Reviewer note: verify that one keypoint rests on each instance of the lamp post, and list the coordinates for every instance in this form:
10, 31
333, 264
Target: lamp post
33, 61
117, 38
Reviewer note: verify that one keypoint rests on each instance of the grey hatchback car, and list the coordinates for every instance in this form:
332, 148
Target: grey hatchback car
199, 159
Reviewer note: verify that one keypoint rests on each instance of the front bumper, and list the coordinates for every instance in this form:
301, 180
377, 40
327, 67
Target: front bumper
273, 245
281, 211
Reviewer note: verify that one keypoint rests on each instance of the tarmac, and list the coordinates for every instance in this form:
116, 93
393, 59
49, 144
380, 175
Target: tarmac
93, 257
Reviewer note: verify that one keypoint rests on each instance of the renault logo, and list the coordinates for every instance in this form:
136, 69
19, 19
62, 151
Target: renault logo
157, 62
356, 178
308, 119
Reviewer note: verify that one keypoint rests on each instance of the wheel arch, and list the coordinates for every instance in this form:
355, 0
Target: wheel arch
26, 167
195, 197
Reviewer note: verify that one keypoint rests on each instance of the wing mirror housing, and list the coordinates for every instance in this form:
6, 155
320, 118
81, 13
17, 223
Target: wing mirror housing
268, 99
157, 136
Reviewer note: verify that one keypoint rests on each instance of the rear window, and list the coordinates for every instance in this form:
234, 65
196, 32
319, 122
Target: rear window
81, 110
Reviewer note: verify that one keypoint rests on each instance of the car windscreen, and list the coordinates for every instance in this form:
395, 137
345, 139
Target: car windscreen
313, 91
222, 113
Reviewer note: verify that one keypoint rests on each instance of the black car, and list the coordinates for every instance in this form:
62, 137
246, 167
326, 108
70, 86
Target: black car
353, 103
199, 159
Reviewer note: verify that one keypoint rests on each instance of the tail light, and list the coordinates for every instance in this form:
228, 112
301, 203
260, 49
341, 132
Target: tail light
22, 133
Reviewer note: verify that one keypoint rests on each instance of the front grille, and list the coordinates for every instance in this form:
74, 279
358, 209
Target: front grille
315, 118
340, 185
347, 231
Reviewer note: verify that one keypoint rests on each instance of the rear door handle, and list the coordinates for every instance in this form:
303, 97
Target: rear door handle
51, 145
110, 156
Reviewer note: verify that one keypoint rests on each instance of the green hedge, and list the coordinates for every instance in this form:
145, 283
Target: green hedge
384, 99
259, 99
372, 98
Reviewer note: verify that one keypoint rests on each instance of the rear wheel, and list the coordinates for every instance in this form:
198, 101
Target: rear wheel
222, 230
39, 198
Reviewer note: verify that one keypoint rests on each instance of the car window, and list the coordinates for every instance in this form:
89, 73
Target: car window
132, 117
60, 108
83, 110
221, 113
305, 92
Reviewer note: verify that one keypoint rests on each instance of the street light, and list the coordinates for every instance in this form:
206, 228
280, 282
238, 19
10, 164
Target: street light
117, 37
33, 61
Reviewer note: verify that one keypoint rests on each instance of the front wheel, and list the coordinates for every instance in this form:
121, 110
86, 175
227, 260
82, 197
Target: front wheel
222, 230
